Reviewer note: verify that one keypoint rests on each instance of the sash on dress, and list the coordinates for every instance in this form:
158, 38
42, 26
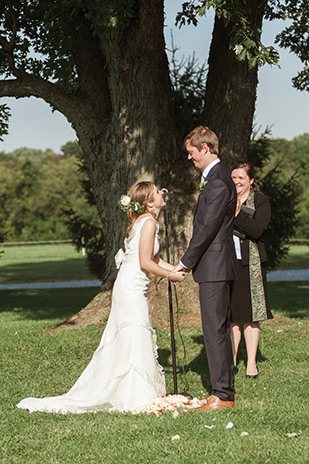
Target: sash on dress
119, 258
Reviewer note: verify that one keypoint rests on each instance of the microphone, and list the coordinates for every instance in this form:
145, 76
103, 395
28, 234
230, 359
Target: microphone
165, 192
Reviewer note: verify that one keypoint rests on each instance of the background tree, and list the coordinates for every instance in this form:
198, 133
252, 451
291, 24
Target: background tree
35, 186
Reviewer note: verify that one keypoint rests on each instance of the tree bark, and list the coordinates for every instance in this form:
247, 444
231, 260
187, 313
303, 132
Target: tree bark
231, 89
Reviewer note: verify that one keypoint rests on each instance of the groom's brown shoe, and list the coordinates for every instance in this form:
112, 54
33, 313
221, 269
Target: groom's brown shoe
214, 402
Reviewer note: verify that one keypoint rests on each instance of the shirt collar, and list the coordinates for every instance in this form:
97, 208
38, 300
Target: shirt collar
209, 167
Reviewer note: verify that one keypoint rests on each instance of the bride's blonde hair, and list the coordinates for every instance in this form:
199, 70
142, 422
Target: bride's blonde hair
141, 192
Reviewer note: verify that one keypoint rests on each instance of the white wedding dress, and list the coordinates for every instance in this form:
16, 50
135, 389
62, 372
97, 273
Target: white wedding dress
124, 373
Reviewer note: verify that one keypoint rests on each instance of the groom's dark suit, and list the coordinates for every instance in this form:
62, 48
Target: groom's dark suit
211, 256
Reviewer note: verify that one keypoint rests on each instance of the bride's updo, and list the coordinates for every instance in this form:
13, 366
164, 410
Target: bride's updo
141, 192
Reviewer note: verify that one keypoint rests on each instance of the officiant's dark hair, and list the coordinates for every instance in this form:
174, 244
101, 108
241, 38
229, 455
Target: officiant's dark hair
200, 135
242, 164
141, 192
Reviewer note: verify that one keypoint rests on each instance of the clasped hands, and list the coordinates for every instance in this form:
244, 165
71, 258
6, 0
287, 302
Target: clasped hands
178, 273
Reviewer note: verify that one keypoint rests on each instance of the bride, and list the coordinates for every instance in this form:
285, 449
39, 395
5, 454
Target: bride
124, 374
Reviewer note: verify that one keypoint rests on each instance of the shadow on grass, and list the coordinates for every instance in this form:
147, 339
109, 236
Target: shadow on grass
200, 365
45, 271
289, 299
46, 304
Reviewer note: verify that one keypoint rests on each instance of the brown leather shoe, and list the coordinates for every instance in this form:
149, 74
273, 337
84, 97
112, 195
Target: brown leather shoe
214, 402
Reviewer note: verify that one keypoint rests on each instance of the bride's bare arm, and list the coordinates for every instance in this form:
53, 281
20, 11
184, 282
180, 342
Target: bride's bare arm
147, 263
164, 264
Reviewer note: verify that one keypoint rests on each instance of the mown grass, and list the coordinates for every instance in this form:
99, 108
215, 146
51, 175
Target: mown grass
298, 258
61, 262
42, 263
35, 363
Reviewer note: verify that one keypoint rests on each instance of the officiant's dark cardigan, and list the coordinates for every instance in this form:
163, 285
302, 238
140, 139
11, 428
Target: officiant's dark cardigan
253, 227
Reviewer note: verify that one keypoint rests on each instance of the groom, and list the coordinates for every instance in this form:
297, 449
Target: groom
211, 257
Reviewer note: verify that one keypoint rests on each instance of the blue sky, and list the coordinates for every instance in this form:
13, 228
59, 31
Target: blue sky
278, 104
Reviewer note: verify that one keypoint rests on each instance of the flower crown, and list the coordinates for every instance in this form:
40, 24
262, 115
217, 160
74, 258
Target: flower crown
127, 203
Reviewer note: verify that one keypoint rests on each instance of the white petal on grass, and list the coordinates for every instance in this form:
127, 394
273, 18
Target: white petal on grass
176, 437
229, 425
244, 434
209, 426
294, 434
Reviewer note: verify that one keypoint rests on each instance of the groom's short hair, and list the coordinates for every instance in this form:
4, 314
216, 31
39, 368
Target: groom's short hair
200, 135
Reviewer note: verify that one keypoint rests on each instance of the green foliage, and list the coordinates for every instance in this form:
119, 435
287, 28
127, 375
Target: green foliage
34, 187
44, 42
83, 224
284, 194
244, 38
189, 86
296, 38
88, 236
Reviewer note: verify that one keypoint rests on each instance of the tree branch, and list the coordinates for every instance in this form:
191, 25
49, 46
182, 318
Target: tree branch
33, 86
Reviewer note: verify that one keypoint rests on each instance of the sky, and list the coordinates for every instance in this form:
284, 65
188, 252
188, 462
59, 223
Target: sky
278, 106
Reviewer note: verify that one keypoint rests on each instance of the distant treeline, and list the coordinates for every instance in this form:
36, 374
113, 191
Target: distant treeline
36, 187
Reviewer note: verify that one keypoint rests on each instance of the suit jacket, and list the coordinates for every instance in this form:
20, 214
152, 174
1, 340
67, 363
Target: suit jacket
253, 227
211, 253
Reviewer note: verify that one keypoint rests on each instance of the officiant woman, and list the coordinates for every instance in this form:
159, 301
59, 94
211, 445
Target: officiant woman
249, 304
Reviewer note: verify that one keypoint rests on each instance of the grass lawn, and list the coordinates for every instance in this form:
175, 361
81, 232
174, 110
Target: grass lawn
35, 363
42, 263
61, 262
298, 258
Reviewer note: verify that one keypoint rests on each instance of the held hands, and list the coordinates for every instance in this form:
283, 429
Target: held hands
179, 267
178, 273
176, 276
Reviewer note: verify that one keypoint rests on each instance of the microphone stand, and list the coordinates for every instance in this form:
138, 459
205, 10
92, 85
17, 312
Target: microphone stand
170, 299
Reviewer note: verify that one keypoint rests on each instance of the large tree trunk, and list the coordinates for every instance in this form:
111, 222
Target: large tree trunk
231, 88
126, 128
127, 132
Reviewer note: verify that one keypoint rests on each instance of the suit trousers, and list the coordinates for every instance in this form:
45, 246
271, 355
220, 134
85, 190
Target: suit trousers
215, 312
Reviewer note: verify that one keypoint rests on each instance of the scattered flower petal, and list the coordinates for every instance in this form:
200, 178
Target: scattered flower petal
244, 434
292, 435
176, 437
209, 426
170, 403
176, 414
229, 425
280, 330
